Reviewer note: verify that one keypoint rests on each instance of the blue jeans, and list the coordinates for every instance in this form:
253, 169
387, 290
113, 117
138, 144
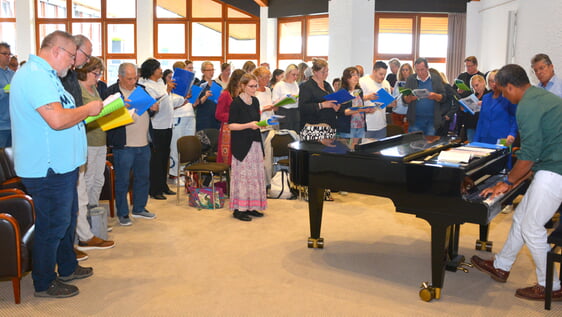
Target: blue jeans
137, 160
56, 207
423, 124
5, 138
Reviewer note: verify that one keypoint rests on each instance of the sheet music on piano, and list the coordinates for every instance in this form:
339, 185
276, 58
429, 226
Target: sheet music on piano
463, 154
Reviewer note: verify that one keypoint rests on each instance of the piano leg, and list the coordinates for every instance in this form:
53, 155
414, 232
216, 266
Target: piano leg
444, 248
483, 244
315, 205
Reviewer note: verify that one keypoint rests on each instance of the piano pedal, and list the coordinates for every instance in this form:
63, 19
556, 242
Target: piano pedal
462, 267
428, 292
484, 245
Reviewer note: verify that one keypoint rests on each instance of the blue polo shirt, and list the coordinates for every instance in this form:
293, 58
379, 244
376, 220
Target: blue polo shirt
37, 147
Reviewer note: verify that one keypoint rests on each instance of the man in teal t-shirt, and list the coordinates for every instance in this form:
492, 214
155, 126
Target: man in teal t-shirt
539, 117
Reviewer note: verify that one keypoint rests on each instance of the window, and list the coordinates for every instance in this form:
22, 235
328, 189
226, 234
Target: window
409, 36
302, 39
8, 23
204, 30
109, 24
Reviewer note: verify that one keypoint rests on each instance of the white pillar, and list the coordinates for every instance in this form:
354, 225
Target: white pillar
25, 28
352, 39
145, 31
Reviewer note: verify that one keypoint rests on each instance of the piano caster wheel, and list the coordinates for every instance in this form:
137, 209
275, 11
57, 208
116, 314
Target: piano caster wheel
428, 292
484, 245
316, 243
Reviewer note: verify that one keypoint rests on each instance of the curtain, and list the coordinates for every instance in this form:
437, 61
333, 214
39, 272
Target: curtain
457, 44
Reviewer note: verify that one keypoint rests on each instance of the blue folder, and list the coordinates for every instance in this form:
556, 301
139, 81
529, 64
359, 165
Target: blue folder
384, 98
140, 100
216, 89
195, 92
340, 96
183, 79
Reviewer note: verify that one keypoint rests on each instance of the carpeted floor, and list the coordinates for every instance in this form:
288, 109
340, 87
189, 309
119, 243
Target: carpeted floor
191, 262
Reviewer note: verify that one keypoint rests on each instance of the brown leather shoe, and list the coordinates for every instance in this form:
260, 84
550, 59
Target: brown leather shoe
80, 256
487, 266
536, 292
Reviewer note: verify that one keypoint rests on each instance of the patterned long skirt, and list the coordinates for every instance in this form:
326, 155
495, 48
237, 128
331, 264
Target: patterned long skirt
247, 181
224, 155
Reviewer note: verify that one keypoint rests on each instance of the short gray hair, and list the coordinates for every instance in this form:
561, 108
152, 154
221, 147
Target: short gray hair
123, 68
394, 61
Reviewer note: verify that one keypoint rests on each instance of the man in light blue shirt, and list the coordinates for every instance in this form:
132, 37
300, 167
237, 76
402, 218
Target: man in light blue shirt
544, 70
49, 143
6, 75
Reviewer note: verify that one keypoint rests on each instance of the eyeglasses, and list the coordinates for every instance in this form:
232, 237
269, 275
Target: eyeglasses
88, 56
6, 54
73, 56
97, 74
209, 70
253, 86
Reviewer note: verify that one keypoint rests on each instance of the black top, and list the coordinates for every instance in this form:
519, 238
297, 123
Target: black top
71, 84
309, 97
391, 78
466, 78
241, 140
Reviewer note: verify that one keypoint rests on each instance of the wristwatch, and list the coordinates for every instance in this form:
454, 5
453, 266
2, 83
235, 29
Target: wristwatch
506, 180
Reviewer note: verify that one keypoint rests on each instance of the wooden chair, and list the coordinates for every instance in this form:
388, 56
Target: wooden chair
17, 227
190, 161
555, 238
280, 146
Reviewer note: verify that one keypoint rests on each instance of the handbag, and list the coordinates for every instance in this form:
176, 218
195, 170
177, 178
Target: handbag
203, 198
317, 132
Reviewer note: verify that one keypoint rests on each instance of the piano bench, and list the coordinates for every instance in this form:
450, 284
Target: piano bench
552, 256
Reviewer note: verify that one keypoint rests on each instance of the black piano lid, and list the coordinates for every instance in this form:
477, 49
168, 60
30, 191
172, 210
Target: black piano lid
405, 146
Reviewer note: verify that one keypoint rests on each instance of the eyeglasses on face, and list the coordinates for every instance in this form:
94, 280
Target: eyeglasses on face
209, 70
73, 56
252, 86
85, 54
6, 54
97, 74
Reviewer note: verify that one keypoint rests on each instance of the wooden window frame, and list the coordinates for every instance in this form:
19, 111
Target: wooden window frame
304, 31
225, 22
103, 20
416, 29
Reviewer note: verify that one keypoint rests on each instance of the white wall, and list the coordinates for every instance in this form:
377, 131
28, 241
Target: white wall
538, 30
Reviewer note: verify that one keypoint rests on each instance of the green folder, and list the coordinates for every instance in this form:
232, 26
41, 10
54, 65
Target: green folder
461, 85
114, 102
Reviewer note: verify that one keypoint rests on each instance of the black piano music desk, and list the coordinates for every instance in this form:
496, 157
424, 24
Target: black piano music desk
405, 169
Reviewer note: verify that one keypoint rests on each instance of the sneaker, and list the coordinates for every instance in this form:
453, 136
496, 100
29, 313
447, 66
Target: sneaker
125, 221
58, 289
507, 209
144, 214
80, 256
536, 292
79, 273
95, 243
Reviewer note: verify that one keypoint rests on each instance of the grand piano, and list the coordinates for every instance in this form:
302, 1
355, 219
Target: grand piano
408, 169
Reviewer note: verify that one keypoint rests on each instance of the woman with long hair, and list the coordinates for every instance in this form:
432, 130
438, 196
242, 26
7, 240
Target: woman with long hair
223, 109
247, 182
